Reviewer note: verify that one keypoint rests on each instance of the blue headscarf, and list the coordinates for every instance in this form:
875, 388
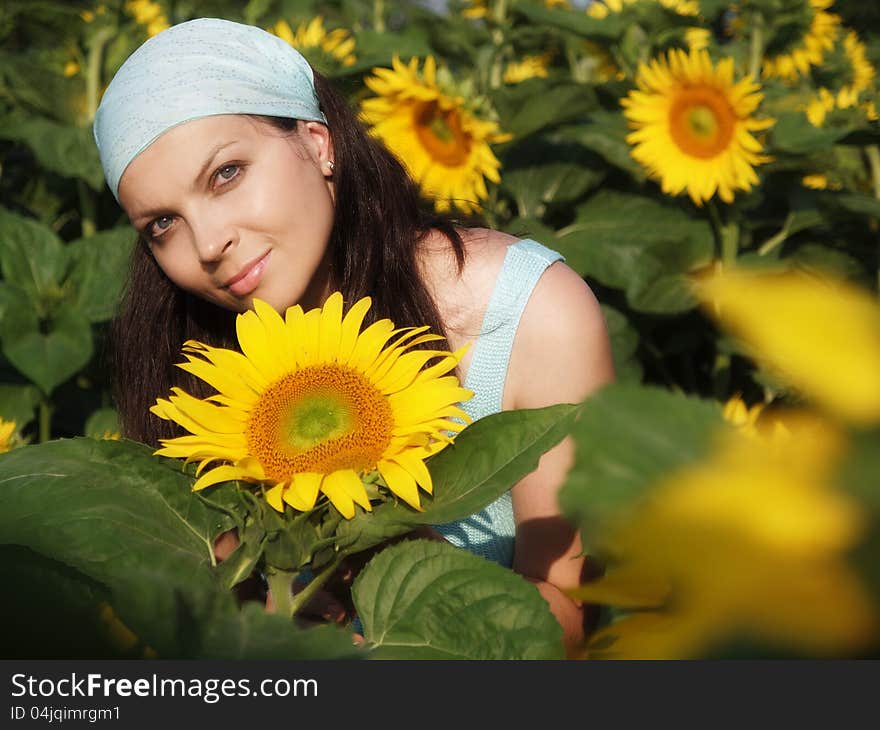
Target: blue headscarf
198, 69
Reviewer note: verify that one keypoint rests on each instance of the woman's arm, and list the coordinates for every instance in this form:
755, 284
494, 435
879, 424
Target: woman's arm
561, 354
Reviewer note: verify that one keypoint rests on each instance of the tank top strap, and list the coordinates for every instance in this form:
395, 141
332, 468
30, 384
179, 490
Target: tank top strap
524, 262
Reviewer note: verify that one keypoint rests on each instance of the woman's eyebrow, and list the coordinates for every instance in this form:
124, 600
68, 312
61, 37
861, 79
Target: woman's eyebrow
209, 160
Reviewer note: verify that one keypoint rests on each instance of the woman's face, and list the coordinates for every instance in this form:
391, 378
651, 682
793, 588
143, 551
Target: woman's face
235, 209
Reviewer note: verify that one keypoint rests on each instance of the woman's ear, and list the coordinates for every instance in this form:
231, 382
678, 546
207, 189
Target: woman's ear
320, 143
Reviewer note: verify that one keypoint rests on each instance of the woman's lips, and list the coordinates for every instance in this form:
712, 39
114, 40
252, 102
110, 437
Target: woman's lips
248, 279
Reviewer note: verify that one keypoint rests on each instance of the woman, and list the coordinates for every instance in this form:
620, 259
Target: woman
248, 176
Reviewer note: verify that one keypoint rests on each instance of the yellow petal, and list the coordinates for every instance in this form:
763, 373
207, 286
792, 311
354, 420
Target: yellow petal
822, 337
217, 475
401, 483
303, 490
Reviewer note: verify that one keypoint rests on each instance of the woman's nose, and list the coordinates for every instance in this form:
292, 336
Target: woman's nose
213, 241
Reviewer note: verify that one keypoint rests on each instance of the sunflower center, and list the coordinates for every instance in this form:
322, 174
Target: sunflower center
701, 122
441, 134
319, 419
316, 418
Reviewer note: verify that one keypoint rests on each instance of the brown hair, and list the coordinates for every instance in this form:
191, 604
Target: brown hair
380, 218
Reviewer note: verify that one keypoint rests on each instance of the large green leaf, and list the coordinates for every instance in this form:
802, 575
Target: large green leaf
485, 461
62, 602
112, 511
628, 437
64, 149
637, 244
48, 353
254, 634
98, 271
31, 256
541, 173
660, 282
422, 599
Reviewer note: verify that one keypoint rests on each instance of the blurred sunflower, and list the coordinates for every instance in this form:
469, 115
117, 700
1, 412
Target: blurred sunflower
313, 404
802, 41
337, 46
600, 9
751, 541
480, 8
149, 14
7, 434
738, 414
529, 67
820, 181
445, 142
862, 72
693, 125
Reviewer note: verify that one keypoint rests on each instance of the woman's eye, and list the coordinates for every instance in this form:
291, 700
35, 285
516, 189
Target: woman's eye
160, 225
228, 172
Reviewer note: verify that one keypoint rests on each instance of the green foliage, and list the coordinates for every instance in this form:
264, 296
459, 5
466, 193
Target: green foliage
568, 179
428, 600
628, 437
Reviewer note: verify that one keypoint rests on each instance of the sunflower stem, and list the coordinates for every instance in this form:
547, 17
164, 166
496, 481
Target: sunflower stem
93, 68
280, 586
778, 239
87, 208
306, 594
756, 47
45, 420
726, 235
499, 18
379, 16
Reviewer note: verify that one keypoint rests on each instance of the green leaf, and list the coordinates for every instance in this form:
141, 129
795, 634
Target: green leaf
624, 340
98, 271
541, 173
535, 104
422, 599
47, 353
125, 519
18, 403
67, 150
605, 133
575, 21
254, 634
660, 284
485, 461
793, 133
637, 244
628, 437
31, 256
851, 203
63, 602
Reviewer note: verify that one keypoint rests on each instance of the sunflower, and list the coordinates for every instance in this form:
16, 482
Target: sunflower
7, 433
337, 46
600, 9
444, 143
861, 72
693, 125
149, 14
813, 31
529, 67
312, 404
480, 8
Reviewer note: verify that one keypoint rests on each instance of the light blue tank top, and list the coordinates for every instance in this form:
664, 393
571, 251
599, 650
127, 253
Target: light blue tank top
490, 532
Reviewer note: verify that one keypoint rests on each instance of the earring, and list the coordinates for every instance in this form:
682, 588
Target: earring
331, 166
